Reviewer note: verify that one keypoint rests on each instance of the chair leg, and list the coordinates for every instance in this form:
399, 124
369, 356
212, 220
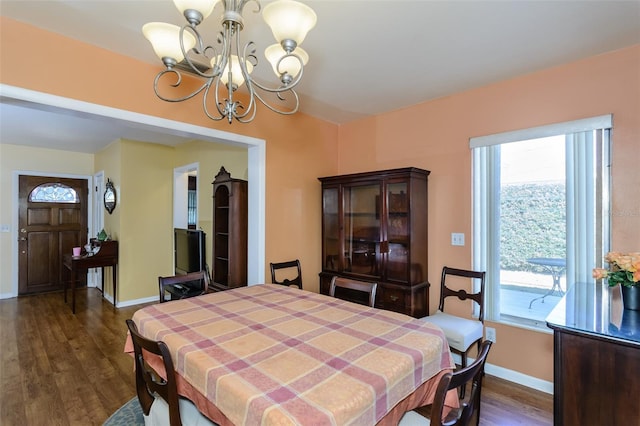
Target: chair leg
479, 402
463, 388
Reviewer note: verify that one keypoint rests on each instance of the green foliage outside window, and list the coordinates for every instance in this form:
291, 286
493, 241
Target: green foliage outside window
533, 224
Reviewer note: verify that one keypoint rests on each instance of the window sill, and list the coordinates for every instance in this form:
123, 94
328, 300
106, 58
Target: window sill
524, 323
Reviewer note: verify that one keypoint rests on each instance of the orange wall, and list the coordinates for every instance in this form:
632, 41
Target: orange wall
435, 136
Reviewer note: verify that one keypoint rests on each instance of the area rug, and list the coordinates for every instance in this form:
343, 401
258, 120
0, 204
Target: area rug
130, 414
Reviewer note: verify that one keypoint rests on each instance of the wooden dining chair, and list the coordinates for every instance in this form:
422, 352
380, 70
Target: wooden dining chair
469, 407
277, 273
183, 286
351, 288
158, 394
461, 333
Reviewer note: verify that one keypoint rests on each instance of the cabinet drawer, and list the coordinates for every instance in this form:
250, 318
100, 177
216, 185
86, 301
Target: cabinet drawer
394, 299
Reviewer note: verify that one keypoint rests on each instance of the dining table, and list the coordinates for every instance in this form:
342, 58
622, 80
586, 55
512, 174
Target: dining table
275, 355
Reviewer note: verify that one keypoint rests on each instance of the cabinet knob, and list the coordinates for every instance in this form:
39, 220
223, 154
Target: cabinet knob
393, 298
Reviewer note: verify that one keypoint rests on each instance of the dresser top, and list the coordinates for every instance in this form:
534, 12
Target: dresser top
596, 310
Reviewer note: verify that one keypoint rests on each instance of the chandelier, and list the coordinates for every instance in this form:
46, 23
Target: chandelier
182, 49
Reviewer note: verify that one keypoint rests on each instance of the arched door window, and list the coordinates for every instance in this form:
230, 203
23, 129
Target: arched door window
54, 193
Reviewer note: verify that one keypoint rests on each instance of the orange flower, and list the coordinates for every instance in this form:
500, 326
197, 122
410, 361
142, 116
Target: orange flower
599, 273
624, 269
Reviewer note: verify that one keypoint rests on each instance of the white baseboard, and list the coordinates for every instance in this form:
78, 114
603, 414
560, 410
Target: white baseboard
134, 302
513, 376
7, 295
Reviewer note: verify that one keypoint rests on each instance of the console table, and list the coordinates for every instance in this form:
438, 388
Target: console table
104, 254
596, 358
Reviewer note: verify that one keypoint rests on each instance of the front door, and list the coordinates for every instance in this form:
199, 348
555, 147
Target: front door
52, 220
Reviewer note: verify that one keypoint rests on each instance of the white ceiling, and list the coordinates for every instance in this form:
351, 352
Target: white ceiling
366, 56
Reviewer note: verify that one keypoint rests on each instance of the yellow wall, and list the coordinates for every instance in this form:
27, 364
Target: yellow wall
433, 135
210, 157
25, 159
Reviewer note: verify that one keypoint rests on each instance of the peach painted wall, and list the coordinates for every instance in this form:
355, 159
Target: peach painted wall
435, 136
299, 148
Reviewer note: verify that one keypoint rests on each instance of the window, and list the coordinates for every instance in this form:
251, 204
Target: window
541, 217
54, 193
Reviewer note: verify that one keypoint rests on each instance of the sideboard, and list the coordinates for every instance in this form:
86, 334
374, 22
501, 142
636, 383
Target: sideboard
596, 358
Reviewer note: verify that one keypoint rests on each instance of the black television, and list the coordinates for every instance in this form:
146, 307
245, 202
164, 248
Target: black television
189, 250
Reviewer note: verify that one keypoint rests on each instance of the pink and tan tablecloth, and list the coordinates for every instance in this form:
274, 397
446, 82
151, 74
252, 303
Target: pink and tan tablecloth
274, 355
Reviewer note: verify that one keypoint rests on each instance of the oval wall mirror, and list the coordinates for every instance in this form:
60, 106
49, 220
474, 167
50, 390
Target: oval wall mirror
110, 197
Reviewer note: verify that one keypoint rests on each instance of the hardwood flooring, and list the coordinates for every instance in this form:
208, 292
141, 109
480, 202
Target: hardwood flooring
57, 368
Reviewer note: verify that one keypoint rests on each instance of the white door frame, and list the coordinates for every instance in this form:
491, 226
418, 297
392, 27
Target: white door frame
94, 275
256, 150
181, 193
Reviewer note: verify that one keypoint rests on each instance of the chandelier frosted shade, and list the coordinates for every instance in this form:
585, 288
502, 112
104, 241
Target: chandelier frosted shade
289, 64
237, 78
289, 20
227, 63
165, 39
205, 7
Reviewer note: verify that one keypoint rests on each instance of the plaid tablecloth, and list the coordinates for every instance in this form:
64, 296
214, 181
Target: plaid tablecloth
274, 355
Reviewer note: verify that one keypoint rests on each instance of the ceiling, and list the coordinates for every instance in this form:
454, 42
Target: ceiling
366, 56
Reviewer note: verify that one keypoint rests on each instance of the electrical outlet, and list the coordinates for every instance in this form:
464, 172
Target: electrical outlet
457, 239
490, 334
4, 228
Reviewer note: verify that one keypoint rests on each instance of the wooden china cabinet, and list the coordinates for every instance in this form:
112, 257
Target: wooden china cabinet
230, 223
374, 228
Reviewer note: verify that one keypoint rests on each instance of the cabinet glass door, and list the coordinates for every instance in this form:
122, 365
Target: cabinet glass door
331, 229
398, 231
362, 216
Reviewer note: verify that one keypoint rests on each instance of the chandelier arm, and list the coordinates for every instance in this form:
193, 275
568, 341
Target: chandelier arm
176, 84
200, 50
205, 97
278, 110
281, 89
243, 3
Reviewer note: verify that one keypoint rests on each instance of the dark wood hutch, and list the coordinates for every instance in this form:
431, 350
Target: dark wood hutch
230, 221
374, 228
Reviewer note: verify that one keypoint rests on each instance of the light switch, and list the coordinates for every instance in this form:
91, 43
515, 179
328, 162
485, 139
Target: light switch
457, 239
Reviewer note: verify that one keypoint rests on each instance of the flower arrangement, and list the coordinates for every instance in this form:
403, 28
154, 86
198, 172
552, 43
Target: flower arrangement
624, 269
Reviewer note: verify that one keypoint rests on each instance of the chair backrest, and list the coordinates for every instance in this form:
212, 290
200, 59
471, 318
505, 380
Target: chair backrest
200, 279
462, 294
149, 381
286, 265
354, 285
469, 406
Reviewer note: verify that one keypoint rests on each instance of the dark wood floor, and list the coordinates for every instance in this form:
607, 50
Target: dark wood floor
57, 368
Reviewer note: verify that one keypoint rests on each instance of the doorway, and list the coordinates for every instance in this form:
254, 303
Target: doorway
52, 219
185, 196
256, 162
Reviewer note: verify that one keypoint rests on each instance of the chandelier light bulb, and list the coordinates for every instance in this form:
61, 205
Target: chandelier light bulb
165, 39
289, 20
290, 64
237, 79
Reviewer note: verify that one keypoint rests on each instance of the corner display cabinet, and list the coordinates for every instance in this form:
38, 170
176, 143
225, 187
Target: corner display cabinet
374, 228
229, 232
